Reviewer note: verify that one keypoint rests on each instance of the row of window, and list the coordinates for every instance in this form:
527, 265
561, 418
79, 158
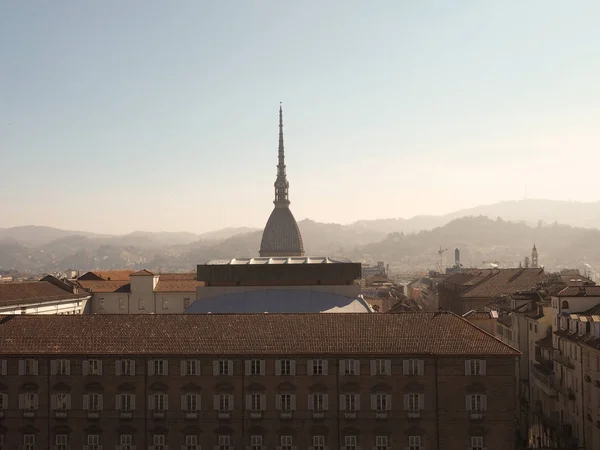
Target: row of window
142, 305
160, 367
191, 402
224, 442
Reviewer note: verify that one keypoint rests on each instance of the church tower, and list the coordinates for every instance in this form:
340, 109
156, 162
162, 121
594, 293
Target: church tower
281, 236
534, 257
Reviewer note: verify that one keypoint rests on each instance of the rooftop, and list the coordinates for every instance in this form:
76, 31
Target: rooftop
580, 291
279, 260
414, 333
33, 292
506, 281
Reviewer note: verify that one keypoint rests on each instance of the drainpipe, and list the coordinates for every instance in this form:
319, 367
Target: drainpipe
581, 394
437, 405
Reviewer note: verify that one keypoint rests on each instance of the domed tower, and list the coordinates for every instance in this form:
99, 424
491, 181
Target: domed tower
281, 236
534, 257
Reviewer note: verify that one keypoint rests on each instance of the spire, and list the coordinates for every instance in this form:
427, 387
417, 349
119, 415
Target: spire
281, 183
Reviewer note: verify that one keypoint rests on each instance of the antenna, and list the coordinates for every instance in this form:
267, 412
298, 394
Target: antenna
441, 253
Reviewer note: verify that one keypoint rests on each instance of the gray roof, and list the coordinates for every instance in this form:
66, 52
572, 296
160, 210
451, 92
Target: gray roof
279, 260
281, 236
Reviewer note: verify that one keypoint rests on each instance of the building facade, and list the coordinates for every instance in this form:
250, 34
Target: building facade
380, 381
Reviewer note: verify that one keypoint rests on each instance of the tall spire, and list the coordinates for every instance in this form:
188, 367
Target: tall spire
281, 183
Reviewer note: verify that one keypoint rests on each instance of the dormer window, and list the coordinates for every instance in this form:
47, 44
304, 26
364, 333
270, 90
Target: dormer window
565, 304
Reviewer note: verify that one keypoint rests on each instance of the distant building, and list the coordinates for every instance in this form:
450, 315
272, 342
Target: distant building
142, 292
48, 296
413, 381
281, 236
379, 269
279, 284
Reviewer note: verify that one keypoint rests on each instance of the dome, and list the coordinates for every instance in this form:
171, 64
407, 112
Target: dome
281, 236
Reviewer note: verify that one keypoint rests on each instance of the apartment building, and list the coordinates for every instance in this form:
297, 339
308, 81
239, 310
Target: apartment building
411, 381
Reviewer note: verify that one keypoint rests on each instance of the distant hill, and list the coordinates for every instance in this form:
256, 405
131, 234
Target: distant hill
406, 244
531, 211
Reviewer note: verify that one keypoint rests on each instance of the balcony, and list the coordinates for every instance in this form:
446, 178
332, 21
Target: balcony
414, 414
61, 447
256, 414
285, 415
60, 414
476, 415
126, 414
293, 447
92, 447
29, 413
318, 414
381, 414
125, 447
93, 414
159, 414
563, 360
27, 447
224, 415
159, 447
350, 414
191, 414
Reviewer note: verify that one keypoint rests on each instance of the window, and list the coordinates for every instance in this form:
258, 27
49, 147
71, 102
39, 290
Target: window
140, 303
191, 403
350, 367
3, 367
61, 442
121, 303
126, 441
381, 367
61, 401
190, 367
286, 442
158, 402
224, 442
165, 304
191, 442
317, 367
476, 443
92, 402
125, 367
29, 401
349, 402
186, 303
565, 304
159, 442
28, 441
158, 367
101, 303
93, 441
412, 367
285, 367
256, 401
255, 367
381, 402
414, 443
223, 367
3, 402
381, 443
318, 442
126, 402
476, 403
256, 442
475, 367
60, 367
28, 367
224, 402
414, 403
285, 402
350, 443
318, 402
92, 367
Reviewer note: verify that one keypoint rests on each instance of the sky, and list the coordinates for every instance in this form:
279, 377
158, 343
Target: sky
162, 116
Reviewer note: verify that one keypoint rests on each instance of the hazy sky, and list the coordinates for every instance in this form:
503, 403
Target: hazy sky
155, 115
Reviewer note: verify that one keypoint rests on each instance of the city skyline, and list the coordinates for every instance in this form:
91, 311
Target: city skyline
168, 120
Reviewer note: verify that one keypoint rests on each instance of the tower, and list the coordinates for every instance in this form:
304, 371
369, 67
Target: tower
281, 236
534, 257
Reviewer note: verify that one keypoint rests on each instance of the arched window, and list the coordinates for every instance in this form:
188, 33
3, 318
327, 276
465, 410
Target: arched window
565, 304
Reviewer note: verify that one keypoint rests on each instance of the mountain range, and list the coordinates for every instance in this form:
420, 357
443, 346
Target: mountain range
566, 233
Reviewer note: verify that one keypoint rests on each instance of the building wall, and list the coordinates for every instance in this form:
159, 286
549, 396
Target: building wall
444, 422
153, 302
70, 306
207, 292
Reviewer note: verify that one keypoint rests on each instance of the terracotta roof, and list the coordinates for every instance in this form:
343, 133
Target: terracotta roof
142, 273
281, 236
506, 281
112, 275
580, 291
177, 285
416, 333
34, 292
177, 276
104, 286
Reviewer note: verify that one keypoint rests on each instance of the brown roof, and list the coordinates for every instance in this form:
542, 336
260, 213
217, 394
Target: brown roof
177, 285
142, 273
34, 292
112, 275
104, 286
478, 315
506, 281
416, 333
580, 291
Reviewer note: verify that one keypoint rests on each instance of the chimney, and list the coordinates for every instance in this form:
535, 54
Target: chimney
582, 290
457, 257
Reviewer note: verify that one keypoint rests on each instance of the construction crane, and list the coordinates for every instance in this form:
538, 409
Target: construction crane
441, 263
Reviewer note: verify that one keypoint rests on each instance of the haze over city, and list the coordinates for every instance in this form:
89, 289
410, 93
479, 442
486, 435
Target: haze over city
158, 117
